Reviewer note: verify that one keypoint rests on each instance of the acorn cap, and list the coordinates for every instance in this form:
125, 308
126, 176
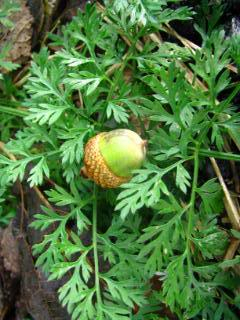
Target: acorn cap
110, 157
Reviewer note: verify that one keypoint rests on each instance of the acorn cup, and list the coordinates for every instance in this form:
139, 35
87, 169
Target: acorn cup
110, 157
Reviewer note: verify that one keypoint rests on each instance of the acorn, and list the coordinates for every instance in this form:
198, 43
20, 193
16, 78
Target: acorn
110, 157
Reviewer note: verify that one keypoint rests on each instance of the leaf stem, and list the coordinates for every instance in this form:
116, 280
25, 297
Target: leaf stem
218, 154
191, 209
95, 252
13, 111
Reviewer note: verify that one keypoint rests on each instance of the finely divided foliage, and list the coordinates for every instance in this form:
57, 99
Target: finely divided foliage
109, 74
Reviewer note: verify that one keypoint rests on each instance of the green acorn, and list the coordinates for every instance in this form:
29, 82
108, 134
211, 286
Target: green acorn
111, 157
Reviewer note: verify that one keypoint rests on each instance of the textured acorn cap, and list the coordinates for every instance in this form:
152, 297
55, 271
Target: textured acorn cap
110, 157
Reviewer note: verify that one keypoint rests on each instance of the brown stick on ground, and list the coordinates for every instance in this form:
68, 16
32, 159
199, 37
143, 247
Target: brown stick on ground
231, 209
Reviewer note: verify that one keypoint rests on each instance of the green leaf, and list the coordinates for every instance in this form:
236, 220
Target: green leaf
211, 194
72, 149
83, 80
73, 58
46, 113
182, 178
37, 173
118, 112
124, 291
14, 170
61, 197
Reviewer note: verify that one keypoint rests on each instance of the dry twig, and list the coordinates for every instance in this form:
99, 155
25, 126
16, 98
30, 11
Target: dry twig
231, 209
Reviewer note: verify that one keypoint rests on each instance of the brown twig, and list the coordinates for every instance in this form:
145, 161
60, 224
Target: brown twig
231, 209
21, 74
232, 249
4, 150
42, 198
4, 311
234, 169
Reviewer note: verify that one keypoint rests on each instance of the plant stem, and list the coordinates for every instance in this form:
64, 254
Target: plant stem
13, 111
191, 209
217, 154
95, 252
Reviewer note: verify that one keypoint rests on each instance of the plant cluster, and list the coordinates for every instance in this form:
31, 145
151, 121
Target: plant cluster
8, 122
114, 71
